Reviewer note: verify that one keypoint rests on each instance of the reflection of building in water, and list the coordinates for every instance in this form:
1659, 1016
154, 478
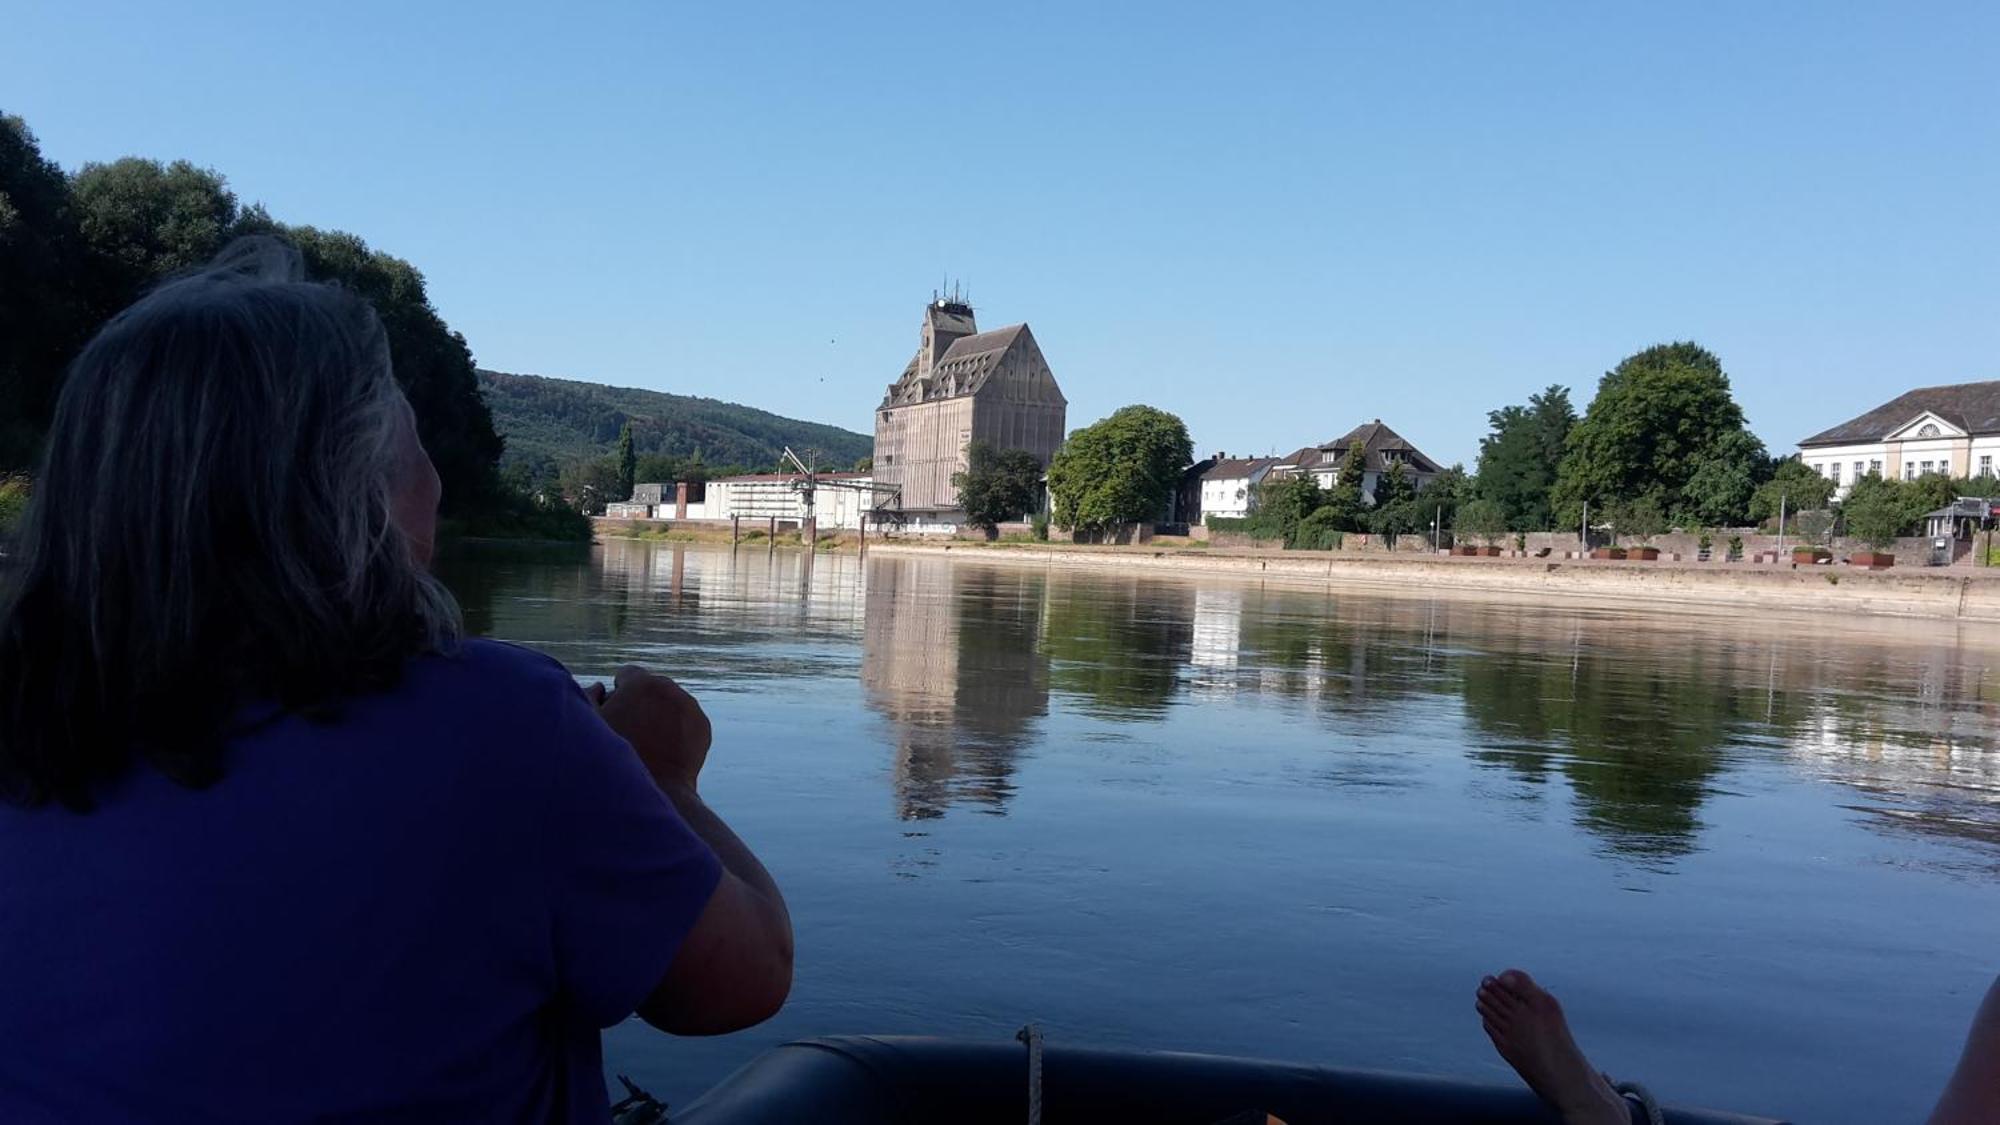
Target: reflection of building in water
1927, 763
950, 657
1218, 626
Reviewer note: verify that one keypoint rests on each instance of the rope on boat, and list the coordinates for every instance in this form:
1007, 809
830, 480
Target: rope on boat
1644, 1097
1032, 1036
638, 1107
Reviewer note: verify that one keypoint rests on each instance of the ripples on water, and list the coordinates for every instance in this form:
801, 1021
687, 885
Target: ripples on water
1755, 852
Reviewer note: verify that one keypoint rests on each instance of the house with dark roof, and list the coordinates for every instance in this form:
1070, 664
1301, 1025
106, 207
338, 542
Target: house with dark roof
1382, 449
962, 386
1952, 429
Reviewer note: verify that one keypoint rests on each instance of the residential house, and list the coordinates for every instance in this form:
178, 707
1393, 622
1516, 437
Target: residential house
1229, 486
1382, 450
1953, 429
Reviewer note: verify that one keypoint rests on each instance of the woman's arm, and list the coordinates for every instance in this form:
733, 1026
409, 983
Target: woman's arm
735, 967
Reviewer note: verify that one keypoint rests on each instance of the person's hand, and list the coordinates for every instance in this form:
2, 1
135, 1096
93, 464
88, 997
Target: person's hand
661, 721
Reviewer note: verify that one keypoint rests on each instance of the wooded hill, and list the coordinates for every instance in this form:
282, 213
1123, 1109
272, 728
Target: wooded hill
552, 422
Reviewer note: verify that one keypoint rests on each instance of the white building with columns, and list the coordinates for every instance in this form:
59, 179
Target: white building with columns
1954, 430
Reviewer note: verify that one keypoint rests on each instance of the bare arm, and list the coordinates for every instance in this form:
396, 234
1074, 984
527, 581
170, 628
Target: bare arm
735, 967
1973, 1095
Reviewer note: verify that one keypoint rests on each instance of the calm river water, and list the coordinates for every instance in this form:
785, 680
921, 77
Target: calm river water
1756, 858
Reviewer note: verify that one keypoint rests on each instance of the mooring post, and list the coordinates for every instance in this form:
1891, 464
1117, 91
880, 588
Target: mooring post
735, 529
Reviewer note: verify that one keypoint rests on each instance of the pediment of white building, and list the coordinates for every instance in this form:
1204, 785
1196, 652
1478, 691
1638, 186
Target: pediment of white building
1925, 425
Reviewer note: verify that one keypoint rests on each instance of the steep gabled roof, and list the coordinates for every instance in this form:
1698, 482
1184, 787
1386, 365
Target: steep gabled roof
1972, 407
1377, 439
961, 370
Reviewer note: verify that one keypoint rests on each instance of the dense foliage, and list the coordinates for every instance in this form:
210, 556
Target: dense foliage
1484, 519
1877, 511
1284, 504
1518, 459
1120, 470
998, 484
74, 250
1793, 486
1665, 428
551, 423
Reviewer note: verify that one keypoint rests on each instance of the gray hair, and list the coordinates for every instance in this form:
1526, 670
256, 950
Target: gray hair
210, 527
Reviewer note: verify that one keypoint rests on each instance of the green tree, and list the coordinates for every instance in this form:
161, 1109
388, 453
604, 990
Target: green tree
1877, 511
1518, 459
1283, 504
1397, 510
1446, 494
44, 310
1319, 531
1658, 417
628, 463
1120, 470
997, 485
143, 220
864, 464
1642, 519
1928, 493
1725, 477
1484, 519
1344, 496
589, 485
1796, 484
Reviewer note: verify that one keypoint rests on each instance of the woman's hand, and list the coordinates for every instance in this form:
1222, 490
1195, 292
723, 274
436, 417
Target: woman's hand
661, 721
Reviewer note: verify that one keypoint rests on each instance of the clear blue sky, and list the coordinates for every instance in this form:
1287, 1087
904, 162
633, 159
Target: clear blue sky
1274, 220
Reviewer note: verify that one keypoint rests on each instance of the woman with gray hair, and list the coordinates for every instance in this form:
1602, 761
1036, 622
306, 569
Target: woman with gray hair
276, 843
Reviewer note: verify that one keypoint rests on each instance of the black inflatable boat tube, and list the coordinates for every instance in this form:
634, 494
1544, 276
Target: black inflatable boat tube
913, 1080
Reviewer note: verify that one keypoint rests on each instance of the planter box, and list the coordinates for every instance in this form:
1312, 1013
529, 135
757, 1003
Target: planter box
1873, 560
1464, 551
1647, 554
1490, 552
1607, 552
1810, 555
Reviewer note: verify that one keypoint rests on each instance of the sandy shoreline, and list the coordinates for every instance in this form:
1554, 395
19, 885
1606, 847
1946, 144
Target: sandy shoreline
1971, 596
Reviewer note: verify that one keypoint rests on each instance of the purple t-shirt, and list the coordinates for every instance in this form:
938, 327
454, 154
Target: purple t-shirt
422, 912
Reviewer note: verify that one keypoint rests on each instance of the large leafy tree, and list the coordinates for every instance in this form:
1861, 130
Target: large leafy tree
44, 314
998, 484
1518, 459
1724, 480
143, 220
1120, 470
1659, 417
74, 250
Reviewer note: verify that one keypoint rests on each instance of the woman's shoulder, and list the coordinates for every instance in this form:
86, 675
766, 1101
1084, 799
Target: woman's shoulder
496, 671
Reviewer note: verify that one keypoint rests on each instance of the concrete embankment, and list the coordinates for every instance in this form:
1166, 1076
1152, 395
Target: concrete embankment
1971, 595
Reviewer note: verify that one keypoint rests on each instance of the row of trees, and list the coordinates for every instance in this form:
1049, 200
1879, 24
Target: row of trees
77, 248
1663, 442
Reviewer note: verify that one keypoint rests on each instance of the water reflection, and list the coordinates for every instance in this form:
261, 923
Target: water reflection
1637, 721
951, 658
